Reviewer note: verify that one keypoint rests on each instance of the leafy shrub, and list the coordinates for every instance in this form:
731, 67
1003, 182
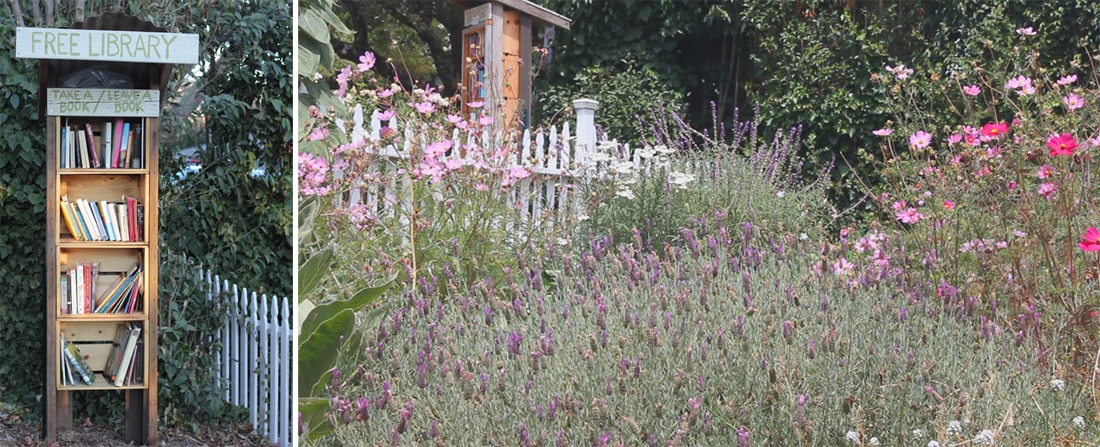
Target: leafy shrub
625, 94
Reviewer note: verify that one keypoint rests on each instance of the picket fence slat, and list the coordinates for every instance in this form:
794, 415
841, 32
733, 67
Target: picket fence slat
256, 357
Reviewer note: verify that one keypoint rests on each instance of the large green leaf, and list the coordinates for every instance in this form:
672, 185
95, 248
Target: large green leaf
322, 334
313, 416
313, 271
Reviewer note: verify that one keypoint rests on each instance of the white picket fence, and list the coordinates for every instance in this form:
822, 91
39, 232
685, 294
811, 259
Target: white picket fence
553, 157
256, 357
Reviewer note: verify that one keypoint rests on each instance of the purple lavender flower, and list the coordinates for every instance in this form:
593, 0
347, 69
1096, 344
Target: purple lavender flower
743, 437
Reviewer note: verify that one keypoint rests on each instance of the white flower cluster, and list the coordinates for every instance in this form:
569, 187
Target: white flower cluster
985, 437
1057, 385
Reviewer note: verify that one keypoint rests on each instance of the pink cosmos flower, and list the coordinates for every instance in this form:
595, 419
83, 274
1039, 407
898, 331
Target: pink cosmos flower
920, 139
909, 215
485, 120
954, 138
994, 129
481, 187
1011, 185
1026, 90
1047, 190
438, 148
519, 172
424, 107
453, 119
1073, 101
385, 93
1091, 240
972, 90
843, 267
883, 132
1029, 31
900, 71
1018, 82
1045, 171
387, 115
366, 61
899, 205
453, 164
1067, 80
475, 104
948, 205
319, 133
1063, 144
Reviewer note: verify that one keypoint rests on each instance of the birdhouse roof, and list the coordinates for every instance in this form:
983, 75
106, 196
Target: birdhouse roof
535, 11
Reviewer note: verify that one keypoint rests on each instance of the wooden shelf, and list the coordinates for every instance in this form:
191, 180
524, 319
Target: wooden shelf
94, 333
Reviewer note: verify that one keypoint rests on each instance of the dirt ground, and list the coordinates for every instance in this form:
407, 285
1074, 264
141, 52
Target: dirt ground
16, 432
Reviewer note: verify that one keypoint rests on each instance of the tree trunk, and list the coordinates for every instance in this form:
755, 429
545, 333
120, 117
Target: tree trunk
17, 12
78, 11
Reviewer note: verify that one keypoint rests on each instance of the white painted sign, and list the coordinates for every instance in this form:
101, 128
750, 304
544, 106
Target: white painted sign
102, 102
106, 46
479, 14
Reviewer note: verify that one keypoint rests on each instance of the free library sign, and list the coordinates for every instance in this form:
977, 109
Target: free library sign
106, 46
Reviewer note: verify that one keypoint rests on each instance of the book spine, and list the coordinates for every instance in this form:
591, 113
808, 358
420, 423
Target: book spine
63, 152
138, 157
105, 144
141, 221
78, 363
93, 155
116, 144
131, 345
64, 287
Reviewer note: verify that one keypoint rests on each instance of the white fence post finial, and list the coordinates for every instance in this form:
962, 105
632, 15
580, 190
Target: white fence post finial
586, 128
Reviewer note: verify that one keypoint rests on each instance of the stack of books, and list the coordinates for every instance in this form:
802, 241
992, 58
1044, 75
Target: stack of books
104, 221
118, 146
78, 291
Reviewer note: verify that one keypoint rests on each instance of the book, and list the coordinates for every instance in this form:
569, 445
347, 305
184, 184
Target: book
141, 222
78, 219
111, 301
116, 143
128, 354
66, 369
63, 148
124, 146
106, 143
64, 301
136, 294
136, 157
88, 220
136, 375
123, 220
93, 150
78, 363
68, 218
114, 357
82, 150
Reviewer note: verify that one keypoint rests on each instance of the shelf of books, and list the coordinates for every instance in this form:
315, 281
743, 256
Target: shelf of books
102, 246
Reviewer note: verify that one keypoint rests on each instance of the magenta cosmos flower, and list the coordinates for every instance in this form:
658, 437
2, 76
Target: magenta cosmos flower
994, 129
1063, 144
366, 61
1091, 240
972, 90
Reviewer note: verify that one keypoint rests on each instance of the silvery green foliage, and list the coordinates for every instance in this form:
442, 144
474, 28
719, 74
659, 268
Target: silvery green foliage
727, 338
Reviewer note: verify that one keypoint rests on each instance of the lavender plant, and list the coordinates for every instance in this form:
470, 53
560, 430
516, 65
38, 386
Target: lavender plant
728, 338
681, 172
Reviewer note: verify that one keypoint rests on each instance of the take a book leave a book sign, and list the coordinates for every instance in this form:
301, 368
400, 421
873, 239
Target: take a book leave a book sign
106, 45
102, 102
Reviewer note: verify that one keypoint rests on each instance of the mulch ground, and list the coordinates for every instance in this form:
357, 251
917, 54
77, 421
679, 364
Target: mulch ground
14, 431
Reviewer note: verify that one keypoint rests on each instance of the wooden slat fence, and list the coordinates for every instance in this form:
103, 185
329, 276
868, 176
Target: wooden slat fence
257, 355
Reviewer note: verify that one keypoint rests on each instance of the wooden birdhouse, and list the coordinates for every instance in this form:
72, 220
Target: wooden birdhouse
497, 51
